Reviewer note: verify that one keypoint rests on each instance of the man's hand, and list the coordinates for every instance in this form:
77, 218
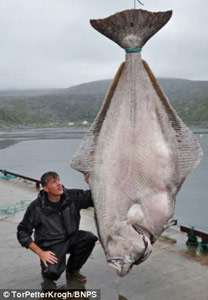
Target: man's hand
86, 177
48, 257
45, 256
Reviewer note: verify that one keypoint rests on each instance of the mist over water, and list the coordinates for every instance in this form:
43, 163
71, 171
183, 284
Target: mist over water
33, 152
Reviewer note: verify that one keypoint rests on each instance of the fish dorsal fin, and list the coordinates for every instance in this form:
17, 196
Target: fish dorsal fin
132, 28
188, 149
84, 157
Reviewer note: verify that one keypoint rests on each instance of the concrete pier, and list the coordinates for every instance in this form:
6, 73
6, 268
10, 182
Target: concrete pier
172, 272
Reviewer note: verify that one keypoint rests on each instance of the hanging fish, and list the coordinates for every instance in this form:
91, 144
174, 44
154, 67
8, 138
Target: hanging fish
138, 151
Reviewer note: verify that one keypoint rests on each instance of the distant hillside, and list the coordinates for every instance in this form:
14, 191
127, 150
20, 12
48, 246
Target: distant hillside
82, 102
180, 90
90, 88
7, 118
27, 93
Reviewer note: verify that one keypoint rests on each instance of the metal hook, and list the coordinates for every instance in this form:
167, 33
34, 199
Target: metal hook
139, 3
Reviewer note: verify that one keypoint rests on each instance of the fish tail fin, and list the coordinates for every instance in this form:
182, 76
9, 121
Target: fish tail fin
132, 28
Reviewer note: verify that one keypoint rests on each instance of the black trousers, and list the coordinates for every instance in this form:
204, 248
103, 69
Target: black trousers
79, 245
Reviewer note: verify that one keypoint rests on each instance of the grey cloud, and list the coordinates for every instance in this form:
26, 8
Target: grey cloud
50, 43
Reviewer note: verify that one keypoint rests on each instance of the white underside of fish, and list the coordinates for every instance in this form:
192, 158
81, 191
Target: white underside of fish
133, 158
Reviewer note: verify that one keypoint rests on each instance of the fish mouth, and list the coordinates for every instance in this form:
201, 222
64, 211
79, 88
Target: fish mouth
122, 267
116, 262
147, 250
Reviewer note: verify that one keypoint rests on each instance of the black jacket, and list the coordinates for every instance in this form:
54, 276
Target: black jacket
53, 226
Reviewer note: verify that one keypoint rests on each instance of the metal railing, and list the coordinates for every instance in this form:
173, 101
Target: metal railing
37, 182
202, 234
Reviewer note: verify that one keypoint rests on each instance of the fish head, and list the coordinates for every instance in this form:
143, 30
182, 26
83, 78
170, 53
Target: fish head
126, 249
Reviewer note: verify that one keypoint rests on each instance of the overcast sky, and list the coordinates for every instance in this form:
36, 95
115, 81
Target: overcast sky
50, 43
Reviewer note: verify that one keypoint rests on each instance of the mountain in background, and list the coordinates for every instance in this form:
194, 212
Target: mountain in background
52, 107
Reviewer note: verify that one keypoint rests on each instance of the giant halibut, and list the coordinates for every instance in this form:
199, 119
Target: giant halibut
138, 151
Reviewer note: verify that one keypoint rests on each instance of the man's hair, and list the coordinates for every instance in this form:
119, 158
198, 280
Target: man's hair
46, 176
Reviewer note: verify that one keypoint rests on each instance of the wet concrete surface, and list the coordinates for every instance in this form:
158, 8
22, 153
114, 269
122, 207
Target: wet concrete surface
172, 272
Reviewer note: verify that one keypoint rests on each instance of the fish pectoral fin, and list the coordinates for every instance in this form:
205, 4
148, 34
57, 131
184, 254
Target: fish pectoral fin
135, 214
170, 222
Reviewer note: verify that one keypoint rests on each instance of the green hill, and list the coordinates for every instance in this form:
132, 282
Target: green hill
82, 102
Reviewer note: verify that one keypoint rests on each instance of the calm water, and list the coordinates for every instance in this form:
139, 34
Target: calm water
33, 152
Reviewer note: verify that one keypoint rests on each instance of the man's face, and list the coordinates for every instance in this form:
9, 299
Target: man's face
54, 186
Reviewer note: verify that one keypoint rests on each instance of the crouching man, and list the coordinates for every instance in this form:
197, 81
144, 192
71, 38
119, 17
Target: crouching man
55, 216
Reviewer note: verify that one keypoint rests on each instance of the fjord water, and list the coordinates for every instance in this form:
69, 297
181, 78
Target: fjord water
33, 152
